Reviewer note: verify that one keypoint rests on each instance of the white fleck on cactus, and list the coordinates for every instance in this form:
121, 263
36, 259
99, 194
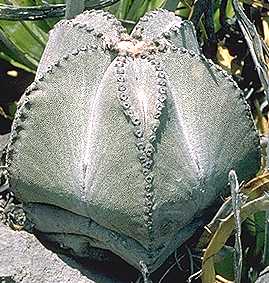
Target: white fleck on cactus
122, 141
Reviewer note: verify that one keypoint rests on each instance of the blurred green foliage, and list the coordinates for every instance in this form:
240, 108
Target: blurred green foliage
22, 42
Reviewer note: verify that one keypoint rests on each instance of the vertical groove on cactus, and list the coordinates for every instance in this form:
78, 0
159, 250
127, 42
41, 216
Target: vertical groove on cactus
150, 147
145, 149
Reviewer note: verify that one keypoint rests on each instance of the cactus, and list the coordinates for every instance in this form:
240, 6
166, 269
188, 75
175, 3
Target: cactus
123, 141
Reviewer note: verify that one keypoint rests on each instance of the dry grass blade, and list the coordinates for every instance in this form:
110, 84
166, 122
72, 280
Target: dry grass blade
257, 3
254, 43
223, 233
253, 189
256, 187
236, 202
219, 279
3, 113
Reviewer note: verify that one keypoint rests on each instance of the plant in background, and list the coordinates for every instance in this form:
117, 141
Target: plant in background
230, 39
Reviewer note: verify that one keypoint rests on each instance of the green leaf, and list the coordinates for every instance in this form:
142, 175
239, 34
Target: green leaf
73, 8
22, 42
137, 10
19, 34
12, 107
266, 240
224, 262
259, 224
42, 24
171, 5
47, 24
8, 49
155, 4
123, 9
183, 11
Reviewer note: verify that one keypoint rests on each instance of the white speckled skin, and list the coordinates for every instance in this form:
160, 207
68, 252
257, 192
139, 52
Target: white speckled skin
125, 152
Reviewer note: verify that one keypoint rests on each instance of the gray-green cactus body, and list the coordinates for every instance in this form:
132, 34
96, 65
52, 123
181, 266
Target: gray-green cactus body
124, 152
